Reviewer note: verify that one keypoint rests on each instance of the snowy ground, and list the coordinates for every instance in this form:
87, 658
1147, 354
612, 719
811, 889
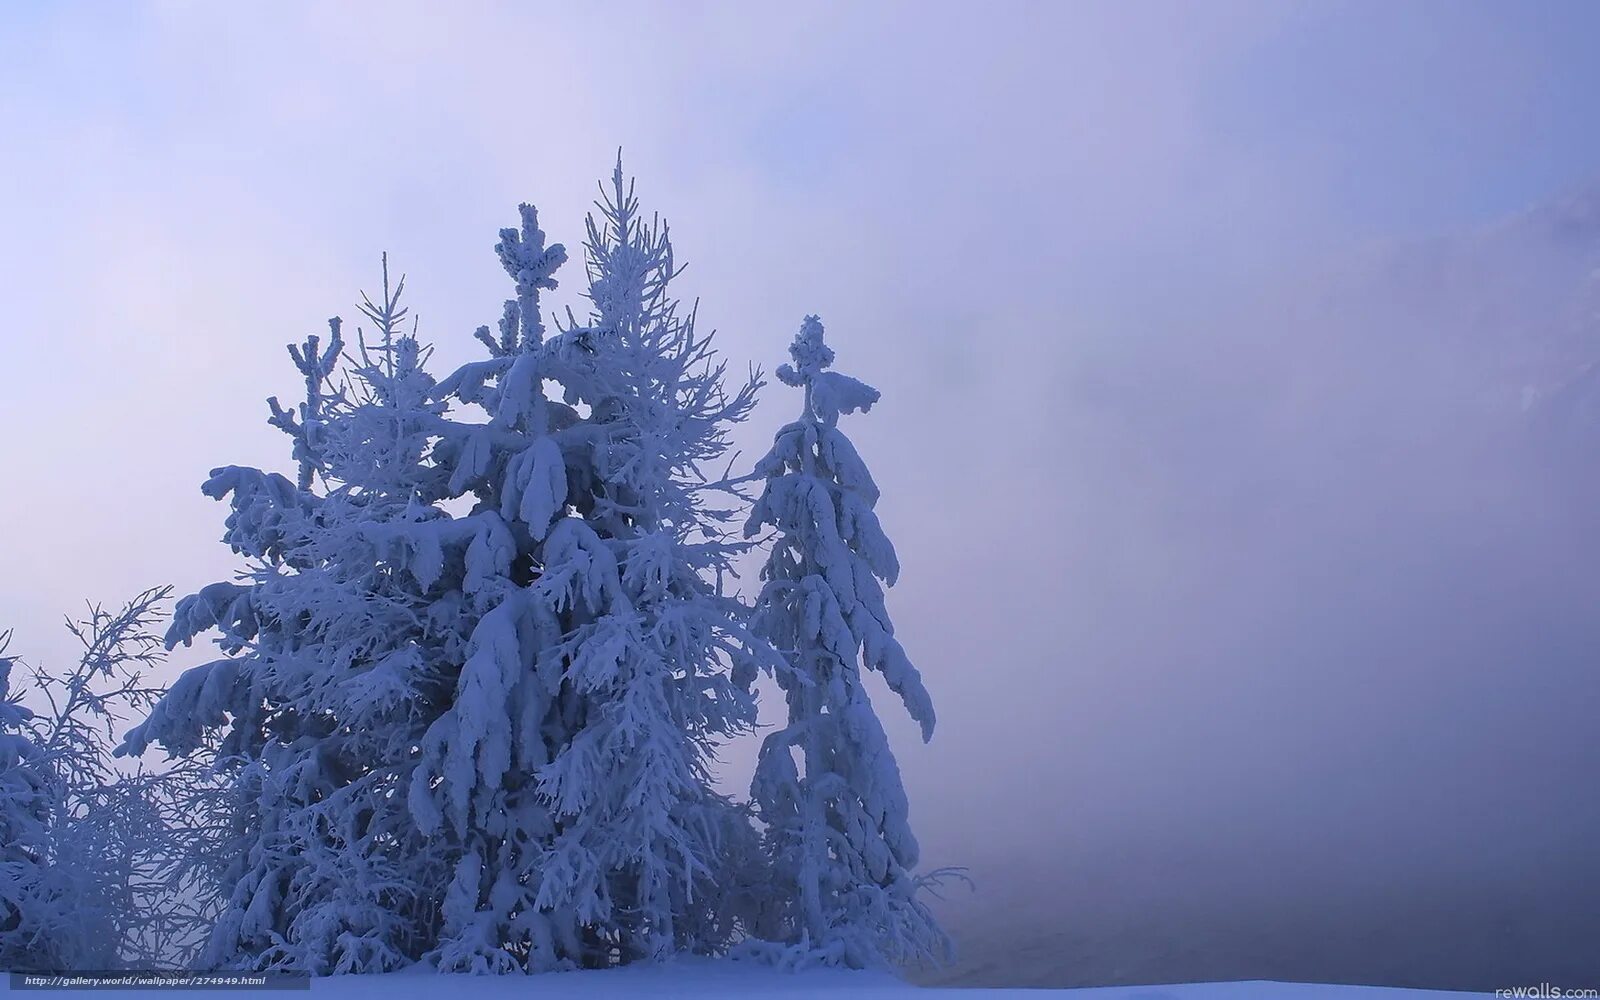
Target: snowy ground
720, 979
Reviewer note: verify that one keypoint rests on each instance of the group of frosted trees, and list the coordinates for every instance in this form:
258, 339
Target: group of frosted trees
485, 648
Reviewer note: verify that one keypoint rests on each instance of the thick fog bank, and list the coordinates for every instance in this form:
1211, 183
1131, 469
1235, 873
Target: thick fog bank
1314, 692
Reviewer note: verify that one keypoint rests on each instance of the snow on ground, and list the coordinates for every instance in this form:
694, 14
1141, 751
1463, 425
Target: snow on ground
702, 978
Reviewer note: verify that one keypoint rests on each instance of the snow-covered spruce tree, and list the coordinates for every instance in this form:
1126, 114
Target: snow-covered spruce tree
568, 777
482, 741
474, 789
827, 786
342, 643
571, 774
654, 659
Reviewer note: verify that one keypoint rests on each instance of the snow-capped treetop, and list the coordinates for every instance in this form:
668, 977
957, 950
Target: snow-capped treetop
828, 394
810, 353
318, 369
532, 266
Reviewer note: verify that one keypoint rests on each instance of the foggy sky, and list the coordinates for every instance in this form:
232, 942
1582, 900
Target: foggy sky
1216, 562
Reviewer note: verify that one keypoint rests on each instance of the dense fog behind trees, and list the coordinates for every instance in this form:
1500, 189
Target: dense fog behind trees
1309, 688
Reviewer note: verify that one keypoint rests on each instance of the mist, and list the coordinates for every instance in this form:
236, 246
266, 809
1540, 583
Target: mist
1306, 660
1233, 433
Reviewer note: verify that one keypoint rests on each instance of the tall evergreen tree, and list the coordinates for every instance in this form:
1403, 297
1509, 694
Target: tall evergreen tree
655, 654
341, 644
827, 786
482, 740
474, 786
